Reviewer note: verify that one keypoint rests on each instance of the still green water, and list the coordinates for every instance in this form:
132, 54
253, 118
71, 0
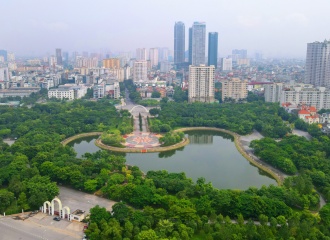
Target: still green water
209, 154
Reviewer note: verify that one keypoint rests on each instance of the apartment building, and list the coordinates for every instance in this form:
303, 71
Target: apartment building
201, 83
234, 89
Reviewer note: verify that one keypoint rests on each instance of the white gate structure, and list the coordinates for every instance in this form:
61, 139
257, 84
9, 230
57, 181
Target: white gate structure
49, 207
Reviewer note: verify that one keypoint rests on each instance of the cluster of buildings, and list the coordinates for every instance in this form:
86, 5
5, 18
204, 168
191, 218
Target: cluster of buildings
315, 90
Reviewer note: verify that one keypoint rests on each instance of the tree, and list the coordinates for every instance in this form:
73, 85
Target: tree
90, 185
325, 214
6, 198
155, 94
147, 235
22, 202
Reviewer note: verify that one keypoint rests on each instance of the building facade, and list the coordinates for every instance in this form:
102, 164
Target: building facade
141, 54
213, 49
111, 63
140, 71
235, 89
201, 83
226, 64
59, 59
198, 35
153, 56
179, 43
273, 92
317, 70
318, 97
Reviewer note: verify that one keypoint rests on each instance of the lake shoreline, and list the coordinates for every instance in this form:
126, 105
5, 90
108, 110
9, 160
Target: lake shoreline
277, 176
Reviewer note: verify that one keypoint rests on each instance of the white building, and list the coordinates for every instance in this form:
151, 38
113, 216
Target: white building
68, 91
226, 64
273, 92
153, 56
127, 72
140, 71
113, 90
99, 90
141, 54
4, 74
317, 70
201, 83
318, 97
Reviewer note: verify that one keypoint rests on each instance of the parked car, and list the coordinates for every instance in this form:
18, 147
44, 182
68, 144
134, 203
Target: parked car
57, 218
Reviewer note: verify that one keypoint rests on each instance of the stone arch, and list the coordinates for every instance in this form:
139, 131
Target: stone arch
56, 199
47, 205
65, 210
139, 106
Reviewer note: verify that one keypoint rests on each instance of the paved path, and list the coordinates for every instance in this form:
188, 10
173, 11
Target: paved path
302, 134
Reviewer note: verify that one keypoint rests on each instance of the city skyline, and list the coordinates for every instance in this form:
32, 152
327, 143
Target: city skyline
277, 29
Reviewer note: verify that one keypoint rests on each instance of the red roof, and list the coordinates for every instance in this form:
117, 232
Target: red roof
303, 112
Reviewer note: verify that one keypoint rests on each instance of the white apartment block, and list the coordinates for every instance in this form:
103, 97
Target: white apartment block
86, 62
153, 56
4, 74
235, 89
127, 72
201, 83
68, 91
226, 64
140, 71
141, 54
273, 92
317, 70
318, 97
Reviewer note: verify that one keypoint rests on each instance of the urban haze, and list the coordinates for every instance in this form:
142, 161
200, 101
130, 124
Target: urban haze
275, 28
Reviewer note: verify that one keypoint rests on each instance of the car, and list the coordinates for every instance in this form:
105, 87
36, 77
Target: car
57, 218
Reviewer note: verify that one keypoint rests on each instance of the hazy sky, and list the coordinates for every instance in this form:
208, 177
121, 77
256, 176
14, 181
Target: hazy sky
277, 28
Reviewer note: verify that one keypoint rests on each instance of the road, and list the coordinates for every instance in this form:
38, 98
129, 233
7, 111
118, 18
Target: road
42, 226
31, 229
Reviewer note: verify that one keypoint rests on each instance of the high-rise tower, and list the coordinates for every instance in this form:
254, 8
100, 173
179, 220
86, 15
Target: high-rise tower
59, 56
153, 56
317, 70
213, 49
201, 83
179, 42
198, 35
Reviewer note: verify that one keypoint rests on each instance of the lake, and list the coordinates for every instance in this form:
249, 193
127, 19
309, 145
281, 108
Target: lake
210, 154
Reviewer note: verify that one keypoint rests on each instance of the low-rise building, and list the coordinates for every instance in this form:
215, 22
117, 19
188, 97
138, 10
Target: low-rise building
308, 114
68, 91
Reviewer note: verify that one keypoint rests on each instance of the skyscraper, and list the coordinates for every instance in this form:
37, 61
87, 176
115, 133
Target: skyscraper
213, 49
141, 54
190, 47
153, 56
198, 35
59, 56
201, 83
317, 70
179, 42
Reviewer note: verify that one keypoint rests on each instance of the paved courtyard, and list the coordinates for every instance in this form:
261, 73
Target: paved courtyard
142, 140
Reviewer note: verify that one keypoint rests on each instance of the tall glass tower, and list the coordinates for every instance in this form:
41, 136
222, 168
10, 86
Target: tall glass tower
213, 49
198, 35
179, 42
